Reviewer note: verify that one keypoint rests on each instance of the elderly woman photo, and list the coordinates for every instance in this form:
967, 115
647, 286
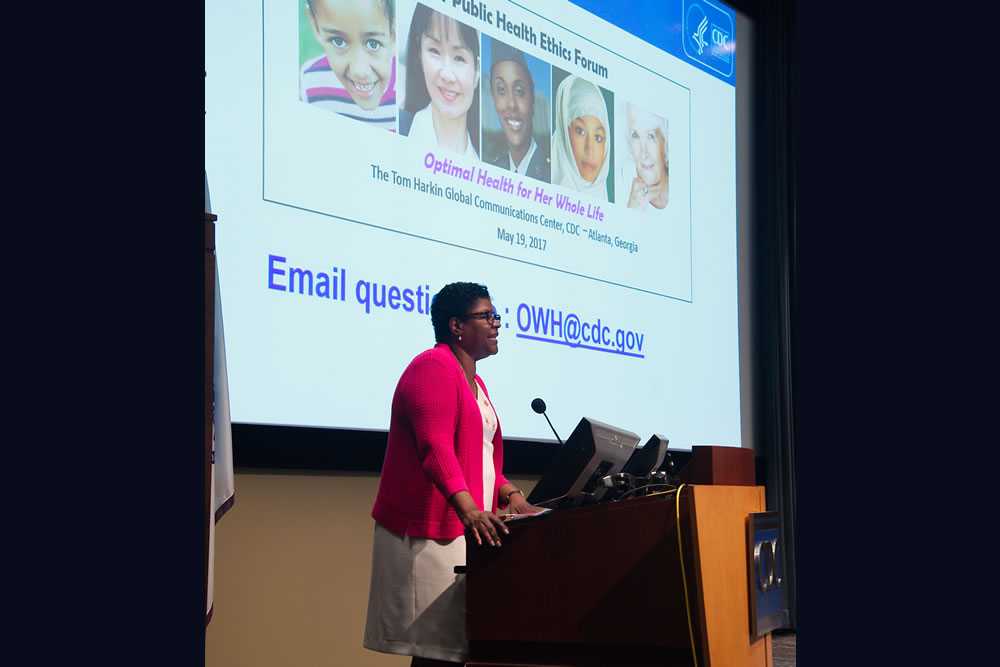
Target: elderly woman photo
442, 479
645, 176
581, 139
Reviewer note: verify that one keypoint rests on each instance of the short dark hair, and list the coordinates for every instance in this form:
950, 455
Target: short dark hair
453, 300
388, 8
417, 96
501, 52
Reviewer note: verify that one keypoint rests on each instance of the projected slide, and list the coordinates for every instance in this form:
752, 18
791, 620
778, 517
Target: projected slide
561, 215
363, 153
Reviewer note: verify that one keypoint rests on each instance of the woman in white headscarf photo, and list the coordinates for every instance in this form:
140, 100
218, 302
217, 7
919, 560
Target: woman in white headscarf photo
581, 140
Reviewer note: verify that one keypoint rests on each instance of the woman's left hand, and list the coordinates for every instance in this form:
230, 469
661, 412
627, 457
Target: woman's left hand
518, 505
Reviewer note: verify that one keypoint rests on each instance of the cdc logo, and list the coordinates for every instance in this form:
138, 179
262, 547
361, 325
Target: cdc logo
696, 17
767, 594
709, 36
766, 565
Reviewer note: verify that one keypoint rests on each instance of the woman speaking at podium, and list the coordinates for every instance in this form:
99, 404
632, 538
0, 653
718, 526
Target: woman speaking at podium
442, 477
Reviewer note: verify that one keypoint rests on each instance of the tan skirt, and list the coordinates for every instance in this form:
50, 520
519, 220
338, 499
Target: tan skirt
416, 602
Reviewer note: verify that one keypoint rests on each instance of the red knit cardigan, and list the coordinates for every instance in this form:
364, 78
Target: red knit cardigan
435, 449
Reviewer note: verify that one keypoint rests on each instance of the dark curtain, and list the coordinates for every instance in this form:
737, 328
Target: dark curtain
776, 263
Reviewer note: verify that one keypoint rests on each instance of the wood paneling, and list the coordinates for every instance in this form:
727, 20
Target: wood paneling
720, 521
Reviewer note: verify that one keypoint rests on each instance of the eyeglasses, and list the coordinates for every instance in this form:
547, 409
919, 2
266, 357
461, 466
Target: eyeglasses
490, 316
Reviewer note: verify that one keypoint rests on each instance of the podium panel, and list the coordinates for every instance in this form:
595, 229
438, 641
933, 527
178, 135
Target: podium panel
610, 584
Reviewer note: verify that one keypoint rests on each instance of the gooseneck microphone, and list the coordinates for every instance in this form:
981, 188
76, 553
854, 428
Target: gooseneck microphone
538, 405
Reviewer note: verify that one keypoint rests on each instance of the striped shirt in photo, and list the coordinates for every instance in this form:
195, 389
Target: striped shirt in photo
320, 86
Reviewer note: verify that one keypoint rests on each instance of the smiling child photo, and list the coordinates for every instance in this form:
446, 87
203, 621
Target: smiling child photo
347, 50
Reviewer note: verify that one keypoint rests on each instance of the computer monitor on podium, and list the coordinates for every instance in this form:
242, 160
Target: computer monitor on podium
593, 450
649, 457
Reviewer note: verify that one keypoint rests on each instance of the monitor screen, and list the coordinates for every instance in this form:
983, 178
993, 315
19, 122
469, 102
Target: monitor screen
594, 450
647, 458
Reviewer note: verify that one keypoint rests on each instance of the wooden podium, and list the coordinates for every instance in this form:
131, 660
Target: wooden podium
604, 585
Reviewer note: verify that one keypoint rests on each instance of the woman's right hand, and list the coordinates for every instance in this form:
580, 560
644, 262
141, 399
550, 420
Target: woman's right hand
657, 192
639, 194
643, 194
483, 525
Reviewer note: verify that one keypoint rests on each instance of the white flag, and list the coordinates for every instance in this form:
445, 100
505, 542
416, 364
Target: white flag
223, 482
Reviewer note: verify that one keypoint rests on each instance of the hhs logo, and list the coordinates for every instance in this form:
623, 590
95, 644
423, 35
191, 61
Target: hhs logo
709, 37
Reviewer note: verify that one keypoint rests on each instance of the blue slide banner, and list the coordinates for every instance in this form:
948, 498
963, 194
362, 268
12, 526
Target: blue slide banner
699, 32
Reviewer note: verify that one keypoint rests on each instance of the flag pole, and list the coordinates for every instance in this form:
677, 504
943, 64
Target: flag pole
208, 436
220, 479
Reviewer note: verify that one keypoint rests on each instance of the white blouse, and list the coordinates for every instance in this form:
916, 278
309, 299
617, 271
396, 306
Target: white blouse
422, 129
489, 430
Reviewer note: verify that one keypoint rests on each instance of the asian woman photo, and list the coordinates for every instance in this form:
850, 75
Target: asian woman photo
441, 106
